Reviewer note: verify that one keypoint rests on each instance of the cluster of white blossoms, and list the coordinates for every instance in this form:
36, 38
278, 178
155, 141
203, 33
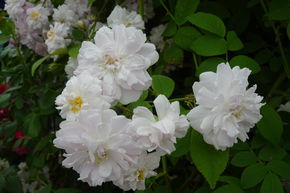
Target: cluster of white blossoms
285, 107
37, 31
31, 184
226, 109
99, 144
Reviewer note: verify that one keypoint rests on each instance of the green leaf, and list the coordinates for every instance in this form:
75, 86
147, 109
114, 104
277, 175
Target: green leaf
230, 180
185, 36
253, 175
229, 188
245, 62
208, 22
33, 124
74, 51
209, 64
233, 41
288, 30
170, 29
209, 161
183, 9
46, 189
60, 51
91, 2
243, 159
279, 14
270, 126
13, 184
208, 45
78, 34
182, 146
271, 184
271, 152
47, 100
4, 39
280, 167
173, 55
162, 85
67, 190
4, 100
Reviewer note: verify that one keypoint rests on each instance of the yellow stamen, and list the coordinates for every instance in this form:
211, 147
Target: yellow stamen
35, 15
76, 104
140, 175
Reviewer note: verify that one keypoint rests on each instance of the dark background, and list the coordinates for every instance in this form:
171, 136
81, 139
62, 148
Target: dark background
2, 4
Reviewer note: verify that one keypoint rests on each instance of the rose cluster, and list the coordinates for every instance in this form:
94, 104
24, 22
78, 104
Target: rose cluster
103, 146
99, 144
43, 28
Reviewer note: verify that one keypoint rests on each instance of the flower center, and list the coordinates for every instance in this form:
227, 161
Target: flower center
111, 63
76, 104
35, 16
50, 35
236, 111
140, 175
100, 156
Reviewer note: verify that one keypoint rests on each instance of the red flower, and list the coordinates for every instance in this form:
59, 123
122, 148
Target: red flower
19, 134
3, 87
4, 113
21, 151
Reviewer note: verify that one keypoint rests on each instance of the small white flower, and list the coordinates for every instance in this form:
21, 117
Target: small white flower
56, 37
37, 17
285, 107
156, 36
81, 92
14, 7
97, 146
71, 66
80, 7
134, 178
63, 14
4, 164
121, 15
148, 7
226, 108
119, 57
161, 132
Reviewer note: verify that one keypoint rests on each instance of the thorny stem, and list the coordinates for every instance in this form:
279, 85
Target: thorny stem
168, 11
165, 171
276, 84
195, 61
124, 109
141, 8
276, 31
186, 183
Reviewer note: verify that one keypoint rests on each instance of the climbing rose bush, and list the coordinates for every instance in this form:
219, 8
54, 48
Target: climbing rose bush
144, 96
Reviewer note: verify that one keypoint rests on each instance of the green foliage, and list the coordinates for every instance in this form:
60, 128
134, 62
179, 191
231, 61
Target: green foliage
243, 159
229, 189
173, 55
271, 184
60, 51
209, 64
233, 41
245, 62
185, 36
182, 11
209, 45
210, 162
162, 85
270, 126
208, 22
253, 175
